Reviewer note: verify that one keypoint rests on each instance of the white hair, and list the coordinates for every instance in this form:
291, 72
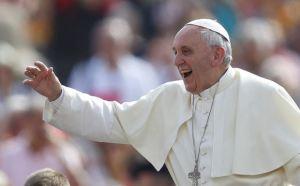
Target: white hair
215, 39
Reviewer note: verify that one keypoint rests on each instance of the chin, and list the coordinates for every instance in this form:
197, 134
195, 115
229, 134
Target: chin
189, 88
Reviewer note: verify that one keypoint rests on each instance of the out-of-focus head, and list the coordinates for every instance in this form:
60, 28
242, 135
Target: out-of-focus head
202, 53
23, 103
12, 23
258, 39
284, 70
25, 115
13, 61
113, 35
262, 33
16, 108
15, 45
47, 177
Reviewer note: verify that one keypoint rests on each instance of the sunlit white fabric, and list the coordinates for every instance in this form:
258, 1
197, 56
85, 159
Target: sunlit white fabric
253, 137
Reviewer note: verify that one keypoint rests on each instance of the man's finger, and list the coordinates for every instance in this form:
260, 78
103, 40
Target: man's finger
29, 82
41, 66
34, 70
29, 74
50, 72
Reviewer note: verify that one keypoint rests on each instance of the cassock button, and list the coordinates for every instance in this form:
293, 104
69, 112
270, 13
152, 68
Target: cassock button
204, 153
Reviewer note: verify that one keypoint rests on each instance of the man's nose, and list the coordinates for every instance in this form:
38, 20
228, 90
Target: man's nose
178, 60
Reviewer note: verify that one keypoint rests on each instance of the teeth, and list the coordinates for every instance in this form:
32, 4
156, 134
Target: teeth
185, 71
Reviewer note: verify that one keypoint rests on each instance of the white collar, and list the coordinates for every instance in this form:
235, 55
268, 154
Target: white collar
224, 81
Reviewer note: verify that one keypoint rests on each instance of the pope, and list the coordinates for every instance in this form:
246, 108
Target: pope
217, 126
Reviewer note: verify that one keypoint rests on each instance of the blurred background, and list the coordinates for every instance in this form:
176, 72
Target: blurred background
119, 50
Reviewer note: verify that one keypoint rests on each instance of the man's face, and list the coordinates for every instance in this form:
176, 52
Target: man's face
192, 58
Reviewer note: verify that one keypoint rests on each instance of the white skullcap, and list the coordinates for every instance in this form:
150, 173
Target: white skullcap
212, 25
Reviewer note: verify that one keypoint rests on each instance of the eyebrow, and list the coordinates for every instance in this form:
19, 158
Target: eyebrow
185, 47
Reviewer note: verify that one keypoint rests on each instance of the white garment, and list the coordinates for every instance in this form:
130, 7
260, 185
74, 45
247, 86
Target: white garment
18, 162
180, 164
249, 142
131, 79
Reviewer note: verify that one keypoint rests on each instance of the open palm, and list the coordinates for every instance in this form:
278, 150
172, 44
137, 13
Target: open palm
43, 80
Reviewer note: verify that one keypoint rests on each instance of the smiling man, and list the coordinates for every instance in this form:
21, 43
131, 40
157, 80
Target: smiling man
219, 126
200, 54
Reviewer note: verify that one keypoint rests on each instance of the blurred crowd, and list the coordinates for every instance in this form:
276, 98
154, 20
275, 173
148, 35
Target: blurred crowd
119, 50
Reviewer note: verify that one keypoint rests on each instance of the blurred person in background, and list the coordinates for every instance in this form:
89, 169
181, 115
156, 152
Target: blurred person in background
113, 73
15, 49
47, 177
13, 20
15, 53
33, 146
14, 117
284, 71
72, 23
10, 64
9, 71
258, 39
283, 65
262, 41
256, 138
158, 53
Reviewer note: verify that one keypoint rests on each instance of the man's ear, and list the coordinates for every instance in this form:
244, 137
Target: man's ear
217, 56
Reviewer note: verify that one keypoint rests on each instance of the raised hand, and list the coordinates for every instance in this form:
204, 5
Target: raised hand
43, 80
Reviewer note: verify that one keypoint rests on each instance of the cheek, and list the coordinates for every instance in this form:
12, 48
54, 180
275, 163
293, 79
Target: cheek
201, 63
198, 68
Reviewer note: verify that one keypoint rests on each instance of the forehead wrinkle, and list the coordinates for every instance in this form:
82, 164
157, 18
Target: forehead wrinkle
188, 34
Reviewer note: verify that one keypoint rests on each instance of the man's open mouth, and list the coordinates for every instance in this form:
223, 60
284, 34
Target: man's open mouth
186, 73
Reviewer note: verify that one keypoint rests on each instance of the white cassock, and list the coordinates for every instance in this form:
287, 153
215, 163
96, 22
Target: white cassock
253, 134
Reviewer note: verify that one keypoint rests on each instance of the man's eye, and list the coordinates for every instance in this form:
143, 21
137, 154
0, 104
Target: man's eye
186, 52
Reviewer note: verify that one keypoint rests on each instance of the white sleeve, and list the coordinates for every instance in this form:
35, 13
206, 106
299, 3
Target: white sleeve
292, 170
85, 115
150, 124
